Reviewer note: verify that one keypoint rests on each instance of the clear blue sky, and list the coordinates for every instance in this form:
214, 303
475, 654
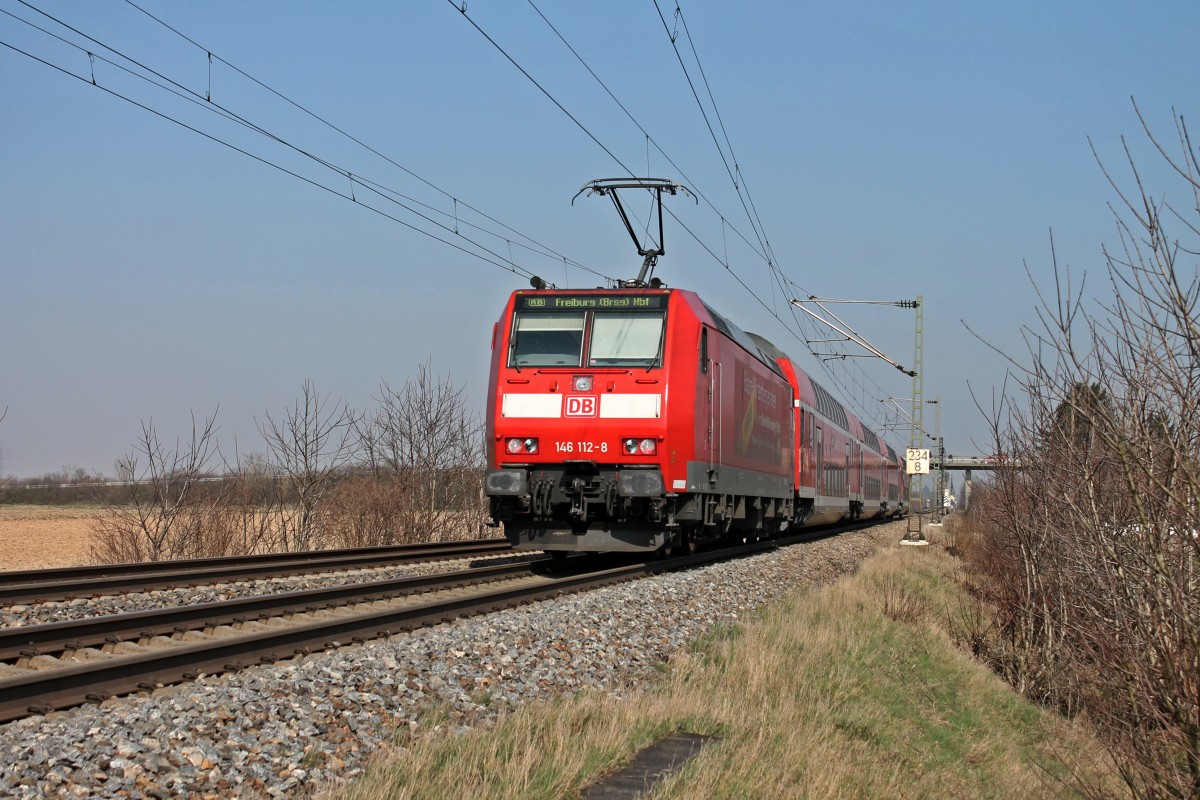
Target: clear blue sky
890, 150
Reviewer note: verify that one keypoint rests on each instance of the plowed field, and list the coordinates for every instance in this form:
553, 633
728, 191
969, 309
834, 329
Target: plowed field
34, 537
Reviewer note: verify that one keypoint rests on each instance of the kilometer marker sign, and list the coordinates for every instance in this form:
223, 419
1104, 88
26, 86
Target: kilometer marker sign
917, 461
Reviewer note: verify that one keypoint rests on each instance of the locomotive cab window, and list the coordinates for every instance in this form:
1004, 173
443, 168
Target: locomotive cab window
547, 340
600, 338
621, 339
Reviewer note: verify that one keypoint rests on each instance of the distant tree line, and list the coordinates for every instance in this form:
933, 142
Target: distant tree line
65, 486
1089, 558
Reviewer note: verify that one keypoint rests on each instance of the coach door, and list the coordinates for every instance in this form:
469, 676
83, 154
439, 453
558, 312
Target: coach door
819, 452
710, 402
862, 486
846, 475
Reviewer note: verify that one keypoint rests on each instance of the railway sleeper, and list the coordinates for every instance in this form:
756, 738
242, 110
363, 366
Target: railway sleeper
9, 671
160, 642
251, 626
39, 662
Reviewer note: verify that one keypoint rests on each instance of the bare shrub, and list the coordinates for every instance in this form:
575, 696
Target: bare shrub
309, 449
365, 511
330, 477
1090, 552
248, 517
899, 604
161, 515
426, 451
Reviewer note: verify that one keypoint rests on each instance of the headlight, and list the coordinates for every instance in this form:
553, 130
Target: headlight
517, 446
644, 447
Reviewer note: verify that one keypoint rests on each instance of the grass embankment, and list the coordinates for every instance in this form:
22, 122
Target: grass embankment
851, 690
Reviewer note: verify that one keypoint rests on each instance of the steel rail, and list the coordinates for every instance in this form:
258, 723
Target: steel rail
137, 567
168, 575
42, 691
54, 637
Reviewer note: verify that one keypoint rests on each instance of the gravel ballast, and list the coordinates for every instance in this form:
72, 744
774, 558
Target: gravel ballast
87, 607
296, 727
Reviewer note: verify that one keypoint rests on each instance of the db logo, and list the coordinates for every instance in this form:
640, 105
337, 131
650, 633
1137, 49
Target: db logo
581, 406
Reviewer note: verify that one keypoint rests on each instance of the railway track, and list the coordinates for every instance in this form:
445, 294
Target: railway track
72, 639
37, 586
145, 650
65, 664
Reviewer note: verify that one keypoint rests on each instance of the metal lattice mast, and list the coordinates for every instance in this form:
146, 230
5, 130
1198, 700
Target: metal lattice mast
918, 406
940, 494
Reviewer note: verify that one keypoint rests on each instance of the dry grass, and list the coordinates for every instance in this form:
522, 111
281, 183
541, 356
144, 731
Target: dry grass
34, 537
853, 690
45, 536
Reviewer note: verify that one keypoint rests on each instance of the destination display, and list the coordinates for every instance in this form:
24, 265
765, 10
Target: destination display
588, 302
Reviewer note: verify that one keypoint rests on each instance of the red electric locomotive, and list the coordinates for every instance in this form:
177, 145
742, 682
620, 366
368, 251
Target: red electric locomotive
633, 419
640, 419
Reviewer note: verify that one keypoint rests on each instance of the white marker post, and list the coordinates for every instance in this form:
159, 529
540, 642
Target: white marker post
916, 462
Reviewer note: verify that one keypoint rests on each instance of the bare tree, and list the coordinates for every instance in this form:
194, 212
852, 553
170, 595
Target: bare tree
309, 449
1093, 550
246, 519
3, 479
425, 449
157, 518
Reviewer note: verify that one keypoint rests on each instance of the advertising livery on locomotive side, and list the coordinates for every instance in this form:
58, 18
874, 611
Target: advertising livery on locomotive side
640, 419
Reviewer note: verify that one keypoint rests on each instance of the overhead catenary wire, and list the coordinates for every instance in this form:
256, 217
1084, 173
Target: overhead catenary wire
544, 249
204, 101
499, 263
455, 237
703, 113
739, 183
779, 280
558, 104
685, 178
463, 11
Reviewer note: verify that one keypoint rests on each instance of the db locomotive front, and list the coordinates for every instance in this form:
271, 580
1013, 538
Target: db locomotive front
633, 419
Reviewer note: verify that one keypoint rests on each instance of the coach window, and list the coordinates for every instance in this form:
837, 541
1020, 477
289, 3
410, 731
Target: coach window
547, 340
623, 339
